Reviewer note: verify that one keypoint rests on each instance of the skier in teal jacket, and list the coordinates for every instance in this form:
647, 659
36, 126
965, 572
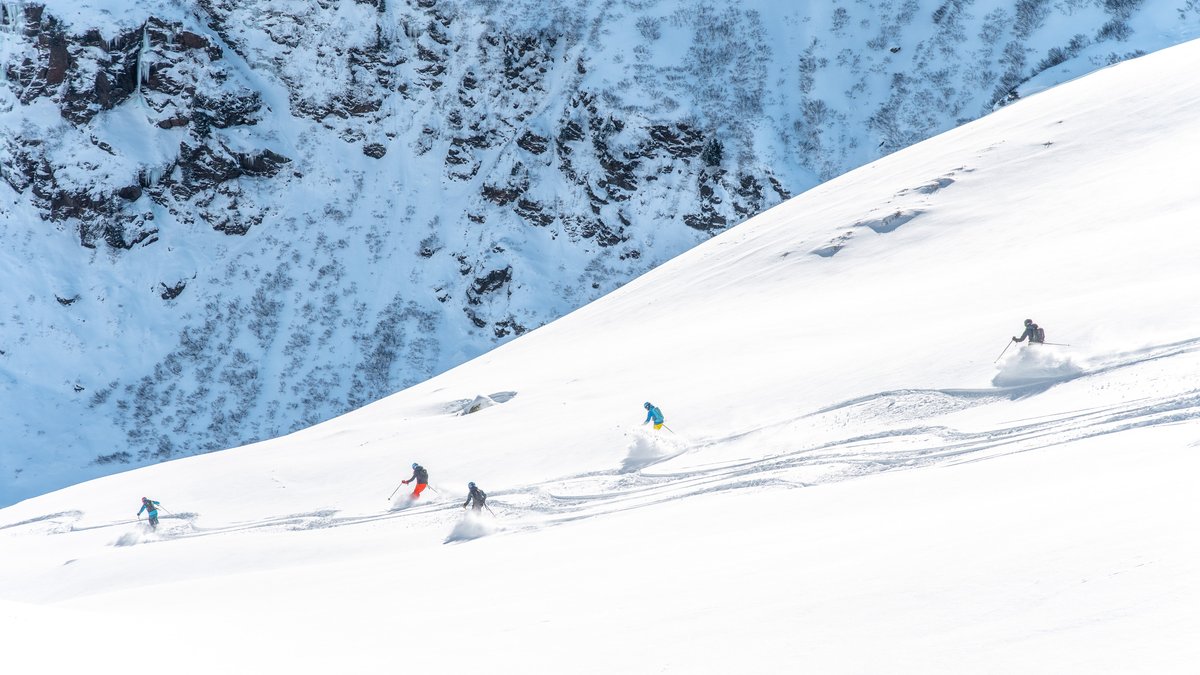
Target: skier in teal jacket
151, 508
653, 413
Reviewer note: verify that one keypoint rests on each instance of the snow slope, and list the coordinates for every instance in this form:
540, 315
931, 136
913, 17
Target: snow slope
853, 482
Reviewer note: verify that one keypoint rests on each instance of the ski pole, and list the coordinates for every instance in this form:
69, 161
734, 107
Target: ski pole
490, 510
1057, 344
1010, 343
668, 428
435, 491
395, 491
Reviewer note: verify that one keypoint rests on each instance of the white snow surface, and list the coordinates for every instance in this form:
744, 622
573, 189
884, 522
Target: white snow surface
852, 481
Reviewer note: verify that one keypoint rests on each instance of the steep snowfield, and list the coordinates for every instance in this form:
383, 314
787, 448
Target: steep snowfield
460, 172
853, 483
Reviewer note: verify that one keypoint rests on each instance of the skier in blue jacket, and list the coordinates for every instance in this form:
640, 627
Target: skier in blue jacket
653, 413
151, 508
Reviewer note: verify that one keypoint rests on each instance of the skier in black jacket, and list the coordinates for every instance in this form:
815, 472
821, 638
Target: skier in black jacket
421, 476
1036, 335
475, 497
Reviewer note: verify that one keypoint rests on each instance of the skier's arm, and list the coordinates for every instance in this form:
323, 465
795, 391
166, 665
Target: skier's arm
141, 509
649, 414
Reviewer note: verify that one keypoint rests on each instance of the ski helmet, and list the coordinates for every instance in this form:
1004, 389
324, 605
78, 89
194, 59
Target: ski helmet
647, 406
471, 485
1028, 321
414, 465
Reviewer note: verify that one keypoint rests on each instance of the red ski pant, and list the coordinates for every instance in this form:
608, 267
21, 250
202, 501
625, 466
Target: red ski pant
417, 490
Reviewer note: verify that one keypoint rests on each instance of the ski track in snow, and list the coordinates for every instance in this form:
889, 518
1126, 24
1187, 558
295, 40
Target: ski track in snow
52, 520
637, 484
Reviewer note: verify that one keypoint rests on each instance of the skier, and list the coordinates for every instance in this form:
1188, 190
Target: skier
151, 508
475, 497
421, 476
653, 413
1035, 334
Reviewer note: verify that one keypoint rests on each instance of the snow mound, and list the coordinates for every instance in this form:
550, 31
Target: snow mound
472, 526
404, 501
128, 539
649, 448
1036, 364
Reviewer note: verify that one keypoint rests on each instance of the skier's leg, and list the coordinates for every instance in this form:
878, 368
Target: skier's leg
418, 490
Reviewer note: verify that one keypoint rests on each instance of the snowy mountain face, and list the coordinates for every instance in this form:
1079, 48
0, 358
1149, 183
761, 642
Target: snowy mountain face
227, 220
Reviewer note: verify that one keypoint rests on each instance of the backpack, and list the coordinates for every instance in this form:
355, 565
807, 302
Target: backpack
1041, 334
482, 496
